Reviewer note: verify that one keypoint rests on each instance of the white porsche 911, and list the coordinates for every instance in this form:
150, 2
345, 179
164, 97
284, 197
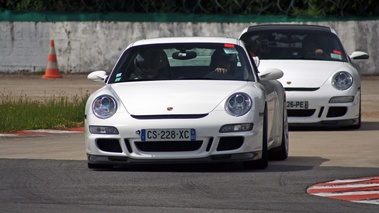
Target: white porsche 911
186, 100
322, 82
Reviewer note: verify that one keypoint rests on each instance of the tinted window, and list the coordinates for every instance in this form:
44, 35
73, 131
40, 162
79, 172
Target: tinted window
183, 61
294, 44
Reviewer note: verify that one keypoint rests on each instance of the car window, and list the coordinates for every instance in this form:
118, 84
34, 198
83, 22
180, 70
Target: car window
295, 44
183, 61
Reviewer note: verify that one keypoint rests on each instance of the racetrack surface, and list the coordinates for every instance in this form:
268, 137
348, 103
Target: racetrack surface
48, 173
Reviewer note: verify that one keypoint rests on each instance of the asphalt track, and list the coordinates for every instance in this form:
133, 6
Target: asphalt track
340, 164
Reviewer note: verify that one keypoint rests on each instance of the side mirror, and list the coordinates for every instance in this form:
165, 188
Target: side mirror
256, 60
97, 76
270, 73
359, 55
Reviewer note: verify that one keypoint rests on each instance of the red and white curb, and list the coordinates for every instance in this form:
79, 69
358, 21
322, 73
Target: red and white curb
40, 132
359, 190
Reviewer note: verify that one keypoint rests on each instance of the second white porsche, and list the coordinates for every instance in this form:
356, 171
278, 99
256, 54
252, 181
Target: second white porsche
322, 82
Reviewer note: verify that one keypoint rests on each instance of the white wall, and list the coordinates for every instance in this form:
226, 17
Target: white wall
82, 47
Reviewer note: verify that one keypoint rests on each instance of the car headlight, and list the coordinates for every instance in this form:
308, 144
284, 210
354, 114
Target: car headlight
342, 80
104, 106
238, 104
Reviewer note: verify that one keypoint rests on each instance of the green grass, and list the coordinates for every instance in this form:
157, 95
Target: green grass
24, 113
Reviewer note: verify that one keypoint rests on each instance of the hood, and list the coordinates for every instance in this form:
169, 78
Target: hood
184, 97
303, 73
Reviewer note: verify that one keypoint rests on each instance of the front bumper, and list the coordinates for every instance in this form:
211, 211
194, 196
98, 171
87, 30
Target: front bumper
321, 112
117, 160
210, 145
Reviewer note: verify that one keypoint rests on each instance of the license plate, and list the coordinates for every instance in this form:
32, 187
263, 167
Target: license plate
297, 105
168, 134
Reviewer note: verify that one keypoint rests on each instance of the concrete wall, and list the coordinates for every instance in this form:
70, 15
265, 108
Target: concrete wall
82, 47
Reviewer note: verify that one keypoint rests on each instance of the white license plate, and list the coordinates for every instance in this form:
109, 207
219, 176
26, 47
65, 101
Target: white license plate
168, 134
297, 105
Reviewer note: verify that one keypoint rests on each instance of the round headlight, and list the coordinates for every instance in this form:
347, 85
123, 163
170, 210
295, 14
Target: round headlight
104, 106
238, 104
342, 80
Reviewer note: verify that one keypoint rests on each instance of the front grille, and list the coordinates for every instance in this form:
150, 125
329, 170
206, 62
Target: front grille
336, 112
301, 89
229, 143
180, 116
168, 146
109, 145
321, 111
128, 146
300, 112
210, 142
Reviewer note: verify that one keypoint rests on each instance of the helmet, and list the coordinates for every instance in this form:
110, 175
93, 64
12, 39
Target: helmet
221, 56
148, 63
310, 43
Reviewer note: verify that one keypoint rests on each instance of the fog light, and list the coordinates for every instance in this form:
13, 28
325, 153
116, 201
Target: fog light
103, 130
236, 127
342, 99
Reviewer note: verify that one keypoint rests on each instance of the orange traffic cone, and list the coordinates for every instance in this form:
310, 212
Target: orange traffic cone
52, 70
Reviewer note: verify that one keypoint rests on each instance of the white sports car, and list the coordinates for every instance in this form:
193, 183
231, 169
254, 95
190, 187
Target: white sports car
322, 82
194, 100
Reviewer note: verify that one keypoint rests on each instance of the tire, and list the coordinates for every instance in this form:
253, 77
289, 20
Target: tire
99, 166
358, 125
263, 162
281, 153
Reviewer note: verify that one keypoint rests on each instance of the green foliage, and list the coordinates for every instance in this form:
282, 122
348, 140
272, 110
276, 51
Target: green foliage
54, 113
337, 8
222, 7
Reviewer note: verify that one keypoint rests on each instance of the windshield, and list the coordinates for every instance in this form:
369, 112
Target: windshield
183, 61
294, 44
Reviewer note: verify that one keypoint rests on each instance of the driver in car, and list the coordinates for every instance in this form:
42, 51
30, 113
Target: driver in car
150, 64
311, 47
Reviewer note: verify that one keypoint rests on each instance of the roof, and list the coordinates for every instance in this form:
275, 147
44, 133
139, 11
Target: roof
290, 27
194, 39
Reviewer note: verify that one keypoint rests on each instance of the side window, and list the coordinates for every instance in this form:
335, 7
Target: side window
123, 68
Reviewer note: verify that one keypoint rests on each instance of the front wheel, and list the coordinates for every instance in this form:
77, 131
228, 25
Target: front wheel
281, 152
359, 120
263, 162
358, 125
99, 166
